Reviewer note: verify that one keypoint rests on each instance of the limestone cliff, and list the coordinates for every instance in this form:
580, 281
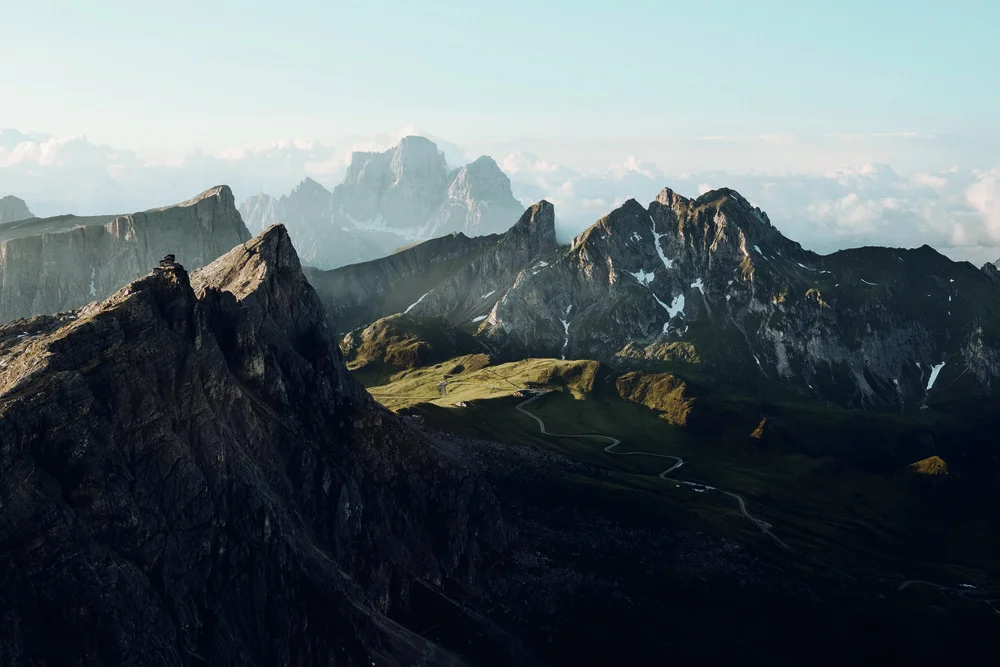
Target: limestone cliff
53, 264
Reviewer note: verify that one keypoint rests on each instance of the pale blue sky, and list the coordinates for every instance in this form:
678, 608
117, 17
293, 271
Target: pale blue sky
182, 75
850, 121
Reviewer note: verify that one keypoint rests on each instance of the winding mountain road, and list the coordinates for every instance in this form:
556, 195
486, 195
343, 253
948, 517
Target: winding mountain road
764, 526
966, 592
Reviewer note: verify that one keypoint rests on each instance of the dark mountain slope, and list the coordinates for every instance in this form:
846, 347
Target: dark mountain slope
359, 294
188, 475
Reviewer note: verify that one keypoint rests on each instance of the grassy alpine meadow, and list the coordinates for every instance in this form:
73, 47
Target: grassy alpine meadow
886, 526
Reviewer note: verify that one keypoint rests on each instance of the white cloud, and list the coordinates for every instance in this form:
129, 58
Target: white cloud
954, 209
72, 175
984, 197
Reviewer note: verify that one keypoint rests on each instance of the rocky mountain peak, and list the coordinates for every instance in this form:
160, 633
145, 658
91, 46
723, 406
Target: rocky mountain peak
389, 200
671, 199
310, 186
992, 271
244, 268
193, 440
416, 152
13, 209
481, 179
535, 230
220, 195
483, 163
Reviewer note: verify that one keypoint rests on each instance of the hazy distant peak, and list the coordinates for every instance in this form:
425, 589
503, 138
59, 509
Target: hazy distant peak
13, 209
223, 192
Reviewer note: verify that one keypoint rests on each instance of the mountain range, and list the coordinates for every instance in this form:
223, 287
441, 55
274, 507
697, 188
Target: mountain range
708, 285
388, 200
680, 436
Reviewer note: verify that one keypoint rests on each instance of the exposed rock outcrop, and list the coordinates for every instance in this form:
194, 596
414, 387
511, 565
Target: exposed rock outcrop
359, 294
53, 264
992, 271
473, 294
188, 475
479, 201
13, 209
389, 200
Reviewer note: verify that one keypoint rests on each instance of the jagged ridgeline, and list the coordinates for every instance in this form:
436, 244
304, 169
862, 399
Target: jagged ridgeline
48, 265
707, 287
189, 475
388, 200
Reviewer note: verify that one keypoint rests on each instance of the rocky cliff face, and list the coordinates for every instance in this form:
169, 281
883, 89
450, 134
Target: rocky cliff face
992, 271
358, 294
471, 296
388, 200
13, 209
710, 286
53, 264
188, 475
479, 201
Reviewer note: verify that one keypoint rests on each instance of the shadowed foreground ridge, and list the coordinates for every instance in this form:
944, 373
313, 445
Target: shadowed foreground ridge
188, 475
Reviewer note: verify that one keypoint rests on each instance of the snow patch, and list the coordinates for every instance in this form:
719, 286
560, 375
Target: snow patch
676, 306
643, 277
488, 294
807, 268
669, 263
934, 374
93, 274
480, 318
868, 283
699, 285
412, 305
565, 324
